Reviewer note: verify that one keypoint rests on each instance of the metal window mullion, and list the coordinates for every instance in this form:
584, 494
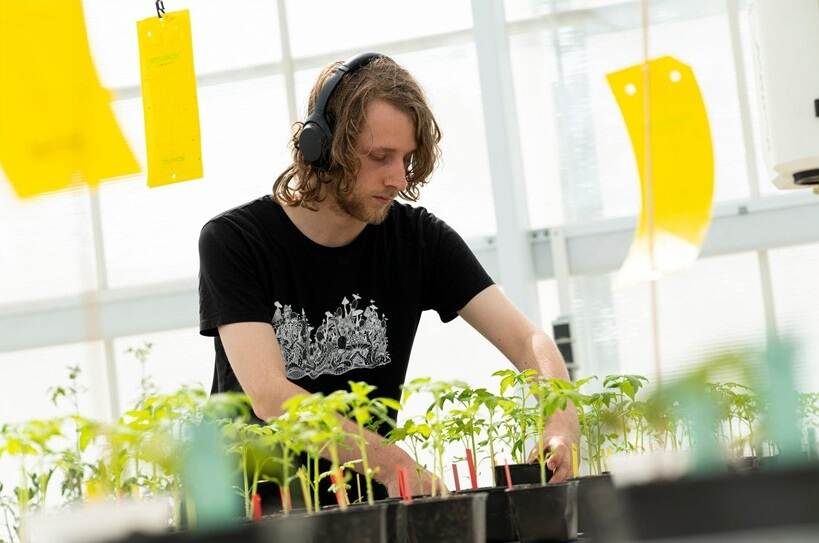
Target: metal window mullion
287, 67
93, 306
505, 160
763, 258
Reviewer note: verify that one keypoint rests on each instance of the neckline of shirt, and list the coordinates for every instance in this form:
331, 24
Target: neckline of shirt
295, 232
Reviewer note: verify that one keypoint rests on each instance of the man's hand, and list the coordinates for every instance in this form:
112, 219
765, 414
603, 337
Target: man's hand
492, 314
390, 480
561, 432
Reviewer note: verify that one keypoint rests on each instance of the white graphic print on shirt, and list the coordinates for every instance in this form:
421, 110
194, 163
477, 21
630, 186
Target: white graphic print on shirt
348, 339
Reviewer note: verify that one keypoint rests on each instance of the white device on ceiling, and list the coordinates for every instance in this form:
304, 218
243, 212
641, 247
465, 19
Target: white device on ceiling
785, 41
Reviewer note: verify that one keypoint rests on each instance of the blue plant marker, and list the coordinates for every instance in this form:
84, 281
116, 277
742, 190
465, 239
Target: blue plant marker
703, 416
783, 402
207, 479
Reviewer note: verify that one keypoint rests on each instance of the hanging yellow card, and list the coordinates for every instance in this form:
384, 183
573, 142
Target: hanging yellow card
676, 165
169, 99
57, 128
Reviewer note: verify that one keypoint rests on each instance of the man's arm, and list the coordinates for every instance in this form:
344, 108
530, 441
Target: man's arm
493, 315
256, 358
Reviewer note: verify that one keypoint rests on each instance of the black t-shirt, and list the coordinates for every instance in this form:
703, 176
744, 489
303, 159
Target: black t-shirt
340, 313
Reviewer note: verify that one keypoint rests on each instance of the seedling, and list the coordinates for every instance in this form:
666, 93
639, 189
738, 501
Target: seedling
519, 415
435, 419
416, 435
368, 413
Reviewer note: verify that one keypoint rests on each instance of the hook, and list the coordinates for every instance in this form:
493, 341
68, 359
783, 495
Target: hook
160, 8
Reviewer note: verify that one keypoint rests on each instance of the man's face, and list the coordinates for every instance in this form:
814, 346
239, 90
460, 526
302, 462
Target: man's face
385, 146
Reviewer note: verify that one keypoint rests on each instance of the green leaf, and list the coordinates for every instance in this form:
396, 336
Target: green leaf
391, 403
362, 415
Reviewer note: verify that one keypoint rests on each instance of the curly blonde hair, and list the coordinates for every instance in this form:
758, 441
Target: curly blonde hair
381, 79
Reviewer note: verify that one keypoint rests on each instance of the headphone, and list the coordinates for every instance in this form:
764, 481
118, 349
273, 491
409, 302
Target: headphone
317, 134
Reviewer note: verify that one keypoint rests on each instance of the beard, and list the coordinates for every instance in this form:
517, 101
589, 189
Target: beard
361, 208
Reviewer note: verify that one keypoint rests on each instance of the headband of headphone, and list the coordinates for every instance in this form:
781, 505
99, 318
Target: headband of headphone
317, 134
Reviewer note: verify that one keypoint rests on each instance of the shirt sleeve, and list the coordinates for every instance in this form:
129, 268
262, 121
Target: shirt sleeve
231, 288
455, 275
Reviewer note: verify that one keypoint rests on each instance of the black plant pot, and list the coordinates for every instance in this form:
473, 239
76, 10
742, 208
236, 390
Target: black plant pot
396, 525
454, 519
522, 474
240, 531
721, 503
753, 463
545, 513
499, 525
359, 523
587, 487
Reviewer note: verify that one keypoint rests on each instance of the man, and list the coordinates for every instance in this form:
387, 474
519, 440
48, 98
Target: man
324, 281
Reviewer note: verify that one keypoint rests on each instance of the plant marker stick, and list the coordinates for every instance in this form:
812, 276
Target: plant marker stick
335, 485
508, 474
455, 476
402, 485
256, 502
473, 475
337, 482
401, 489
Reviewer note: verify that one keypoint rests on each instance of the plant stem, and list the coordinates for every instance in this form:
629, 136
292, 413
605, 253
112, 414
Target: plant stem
541, 455
523, 425
625, 428
491, 442
414, 447
286, 477
366, 464
474, 452
23, 498
8, 526
305, 490
248, 512
316, 474
638, 440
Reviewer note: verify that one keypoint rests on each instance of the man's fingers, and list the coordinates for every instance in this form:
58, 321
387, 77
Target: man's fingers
562, 474
559, 455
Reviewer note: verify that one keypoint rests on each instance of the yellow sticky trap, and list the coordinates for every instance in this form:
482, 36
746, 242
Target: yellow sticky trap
56, 124
677, 176
575, 460
169, 99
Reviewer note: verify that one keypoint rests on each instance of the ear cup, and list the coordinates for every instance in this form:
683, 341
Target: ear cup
314, 144
316, 135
